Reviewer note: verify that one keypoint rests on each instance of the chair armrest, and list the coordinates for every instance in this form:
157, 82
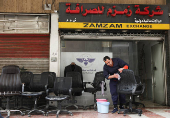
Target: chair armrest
46, 87
70, 92
138, 86
49, 90
85, 83
23, 85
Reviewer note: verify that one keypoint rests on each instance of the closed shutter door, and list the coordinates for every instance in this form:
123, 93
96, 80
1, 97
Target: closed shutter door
28, 51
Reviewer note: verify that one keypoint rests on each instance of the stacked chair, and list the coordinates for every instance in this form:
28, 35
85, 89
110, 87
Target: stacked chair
63, 91
26, 78
128, 85
38, 88
10, 85
96, 86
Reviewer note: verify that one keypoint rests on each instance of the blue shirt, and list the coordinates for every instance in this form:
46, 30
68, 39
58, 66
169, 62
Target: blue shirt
117, 63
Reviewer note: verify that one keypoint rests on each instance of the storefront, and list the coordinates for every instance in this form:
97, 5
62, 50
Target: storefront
135, 33
24, 41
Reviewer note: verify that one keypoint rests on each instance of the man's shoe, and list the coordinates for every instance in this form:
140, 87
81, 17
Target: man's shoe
115, 110
121, 107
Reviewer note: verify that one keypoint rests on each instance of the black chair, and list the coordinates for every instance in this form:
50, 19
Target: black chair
38, 87
10, 85
63, 91
96, 86
77, 87
26, 78
138, 80
128, 85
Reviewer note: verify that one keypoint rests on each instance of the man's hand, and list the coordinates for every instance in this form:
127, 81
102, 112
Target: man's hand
113, 76
116, 76
120, 70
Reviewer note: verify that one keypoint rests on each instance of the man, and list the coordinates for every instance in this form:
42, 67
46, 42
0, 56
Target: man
110, 70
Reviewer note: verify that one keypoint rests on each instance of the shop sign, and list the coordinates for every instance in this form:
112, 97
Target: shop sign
113, 16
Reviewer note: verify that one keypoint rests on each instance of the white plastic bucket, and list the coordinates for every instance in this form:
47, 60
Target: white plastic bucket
98, 106
104, 107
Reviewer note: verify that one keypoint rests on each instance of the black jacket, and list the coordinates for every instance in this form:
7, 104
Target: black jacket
71, 68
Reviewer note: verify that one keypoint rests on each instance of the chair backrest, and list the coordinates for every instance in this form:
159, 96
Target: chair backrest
77, 81
39, 81
138, 80
48, 77
10, 80
26, 77
62, 85
97, 79
127, 81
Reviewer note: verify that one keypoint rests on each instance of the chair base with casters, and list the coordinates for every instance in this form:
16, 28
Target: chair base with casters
9, 110
21, 107
74, 105
135, 103
35, 95
59, 109
130, 109
93, 105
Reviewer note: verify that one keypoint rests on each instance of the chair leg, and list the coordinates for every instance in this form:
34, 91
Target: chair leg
21, 105
35, 109
130, 109
8, 109
93, 105
74, 105
60, 110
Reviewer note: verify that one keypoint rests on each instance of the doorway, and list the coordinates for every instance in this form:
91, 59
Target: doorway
151, 70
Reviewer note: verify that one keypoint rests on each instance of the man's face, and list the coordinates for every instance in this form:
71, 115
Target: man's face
108, 62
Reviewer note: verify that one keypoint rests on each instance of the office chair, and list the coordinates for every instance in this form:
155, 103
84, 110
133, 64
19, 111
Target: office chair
77, 87
10, 85
138, 80
128, 85
96, 86
63, 91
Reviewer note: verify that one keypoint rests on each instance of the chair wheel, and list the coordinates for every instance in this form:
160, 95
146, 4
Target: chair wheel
139, 114
124, 114
71, 114
22, 114
7, 117
29, 115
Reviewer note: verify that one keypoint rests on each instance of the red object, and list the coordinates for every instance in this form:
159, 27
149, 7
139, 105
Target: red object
24, 45
101, 100
125, 67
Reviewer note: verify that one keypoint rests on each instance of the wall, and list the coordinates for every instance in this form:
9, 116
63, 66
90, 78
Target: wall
37, 6
167, 47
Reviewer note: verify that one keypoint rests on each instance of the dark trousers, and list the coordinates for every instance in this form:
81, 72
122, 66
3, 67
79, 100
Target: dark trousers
0, 116
115, 95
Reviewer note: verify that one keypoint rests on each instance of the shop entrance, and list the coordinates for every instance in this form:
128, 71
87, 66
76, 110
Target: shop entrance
157, 70
145, 58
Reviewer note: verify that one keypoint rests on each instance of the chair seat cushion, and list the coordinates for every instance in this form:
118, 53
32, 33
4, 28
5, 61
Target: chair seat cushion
74, 90
91, 90
12, 93
57, 98
125, 92
32, 93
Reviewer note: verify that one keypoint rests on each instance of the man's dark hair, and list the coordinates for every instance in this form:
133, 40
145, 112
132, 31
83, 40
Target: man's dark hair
106, 57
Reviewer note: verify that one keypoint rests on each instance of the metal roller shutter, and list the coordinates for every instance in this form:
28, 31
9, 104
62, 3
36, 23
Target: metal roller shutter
30, 51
